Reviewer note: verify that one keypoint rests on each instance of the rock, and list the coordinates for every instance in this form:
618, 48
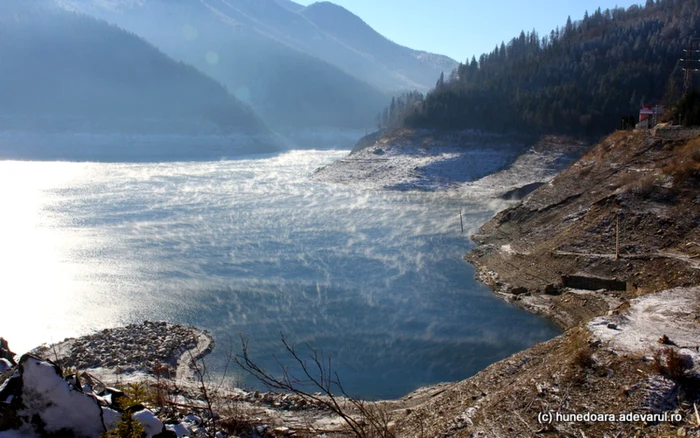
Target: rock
194, 419
280, 431
518, 290
551, 289
39, 401
6, 353
42, 402
521, 192
665, 340
151, 424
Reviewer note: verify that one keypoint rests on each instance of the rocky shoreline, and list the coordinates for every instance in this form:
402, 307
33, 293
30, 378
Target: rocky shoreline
159, 362
632, 189
133, 351
89, 385
638, 355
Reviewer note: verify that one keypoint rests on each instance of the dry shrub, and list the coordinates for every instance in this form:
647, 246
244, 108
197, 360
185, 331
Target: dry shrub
585, 171
584, 358
580, 353
686, 163
643, 186
672, 364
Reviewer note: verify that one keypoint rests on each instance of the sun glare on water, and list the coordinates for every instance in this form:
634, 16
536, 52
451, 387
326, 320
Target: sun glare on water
36, 284
257, 246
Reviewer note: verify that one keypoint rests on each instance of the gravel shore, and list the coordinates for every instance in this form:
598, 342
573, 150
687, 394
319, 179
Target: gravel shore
132, 351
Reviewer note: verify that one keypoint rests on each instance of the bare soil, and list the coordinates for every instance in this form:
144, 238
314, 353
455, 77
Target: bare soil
634, 185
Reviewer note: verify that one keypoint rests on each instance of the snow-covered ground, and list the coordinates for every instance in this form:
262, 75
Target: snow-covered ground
673, 313
483, 169
411, 167
531, 167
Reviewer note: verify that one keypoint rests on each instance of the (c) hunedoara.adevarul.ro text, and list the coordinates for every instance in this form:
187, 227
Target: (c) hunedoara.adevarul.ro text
590, 417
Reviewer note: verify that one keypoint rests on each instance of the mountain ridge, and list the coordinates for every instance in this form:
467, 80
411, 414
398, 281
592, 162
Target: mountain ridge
293, 72
103, 80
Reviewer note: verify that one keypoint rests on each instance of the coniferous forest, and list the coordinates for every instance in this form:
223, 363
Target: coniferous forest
580, 79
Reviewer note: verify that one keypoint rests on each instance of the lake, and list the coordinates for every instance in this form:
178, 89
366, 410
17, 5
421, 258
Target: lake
373, 279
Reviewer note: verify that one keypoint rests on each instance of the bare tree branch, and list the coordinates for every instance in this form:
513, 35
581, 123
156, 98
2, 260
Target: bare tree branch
318, 374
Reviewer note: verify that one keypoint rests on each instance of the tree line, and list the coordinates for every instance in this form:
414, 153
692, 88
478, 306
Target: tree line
579, 79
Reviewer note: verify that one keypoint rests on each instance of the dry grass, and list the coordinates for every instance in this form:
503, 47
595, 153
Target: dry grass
686, 165
580, 352
672, 364
644, 186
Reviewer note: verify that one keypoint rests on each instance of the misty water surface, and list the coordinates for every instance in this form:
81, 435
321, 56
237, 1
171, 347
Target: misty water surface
376, 280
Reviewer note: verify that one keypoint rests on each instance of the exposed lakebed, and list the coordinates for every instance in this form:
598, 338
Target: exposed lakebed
373, 278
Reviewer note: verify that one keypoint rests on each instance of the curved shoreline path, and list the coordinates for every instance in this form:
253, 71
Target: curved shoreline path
130, 353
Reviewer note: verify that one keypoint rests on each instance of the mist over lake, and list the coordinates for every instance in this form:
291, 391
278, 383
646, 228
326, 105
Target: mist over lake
375, 279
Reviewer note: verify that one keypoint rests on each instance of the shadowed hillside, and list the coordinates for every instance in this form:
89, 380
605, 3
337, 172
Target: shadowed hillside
66, 72
300, 68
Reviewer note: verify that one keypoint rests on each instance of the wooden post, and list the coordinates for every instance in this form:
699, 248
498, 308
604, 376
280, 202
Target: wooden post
461, 222
617, 236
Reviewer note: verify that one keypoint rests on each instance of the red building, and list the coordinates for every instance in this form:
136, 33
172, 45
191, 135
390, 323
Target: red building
649, 116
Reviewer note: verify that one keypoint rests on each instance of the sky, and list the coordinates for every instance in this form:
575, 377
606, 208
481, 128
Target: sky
462, 28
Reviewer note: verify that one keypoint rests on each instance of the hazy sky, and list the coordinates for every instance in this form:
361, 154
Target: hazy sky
462, 28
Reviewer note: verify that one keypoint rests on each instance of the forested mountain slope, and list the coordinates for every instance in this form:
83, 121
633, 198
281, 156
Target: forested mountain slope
578, 79
66, 72
276, 56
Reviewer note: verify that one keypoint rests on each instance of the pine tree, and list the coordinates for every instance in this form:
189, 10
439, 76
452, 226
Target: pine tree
441, 81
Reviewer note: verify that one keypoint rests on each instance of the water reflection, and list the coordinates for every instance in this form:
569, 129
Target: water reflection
374, 279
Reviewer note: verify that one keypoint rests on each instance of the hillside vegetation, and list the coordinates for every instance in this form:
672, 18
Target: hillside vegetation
299, 68
640, 189
580, 79
63, 71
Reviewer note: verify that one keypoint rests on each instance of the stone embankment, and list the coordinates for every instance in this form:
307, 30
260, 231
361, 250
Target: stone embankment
154, 372
129, 349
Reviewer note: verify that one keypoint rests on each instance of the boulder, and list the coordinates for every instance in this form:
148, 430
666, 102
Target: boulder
151, 424
551, 289
6, 353
37, 399
518, 290
42, 402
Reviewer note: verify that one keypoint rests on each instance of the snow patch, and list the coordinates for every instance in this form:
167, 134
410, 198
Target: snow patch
59, 405
673, 313
508, 249
178, 429
110, 418
151, 424
5, 365
412, 167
